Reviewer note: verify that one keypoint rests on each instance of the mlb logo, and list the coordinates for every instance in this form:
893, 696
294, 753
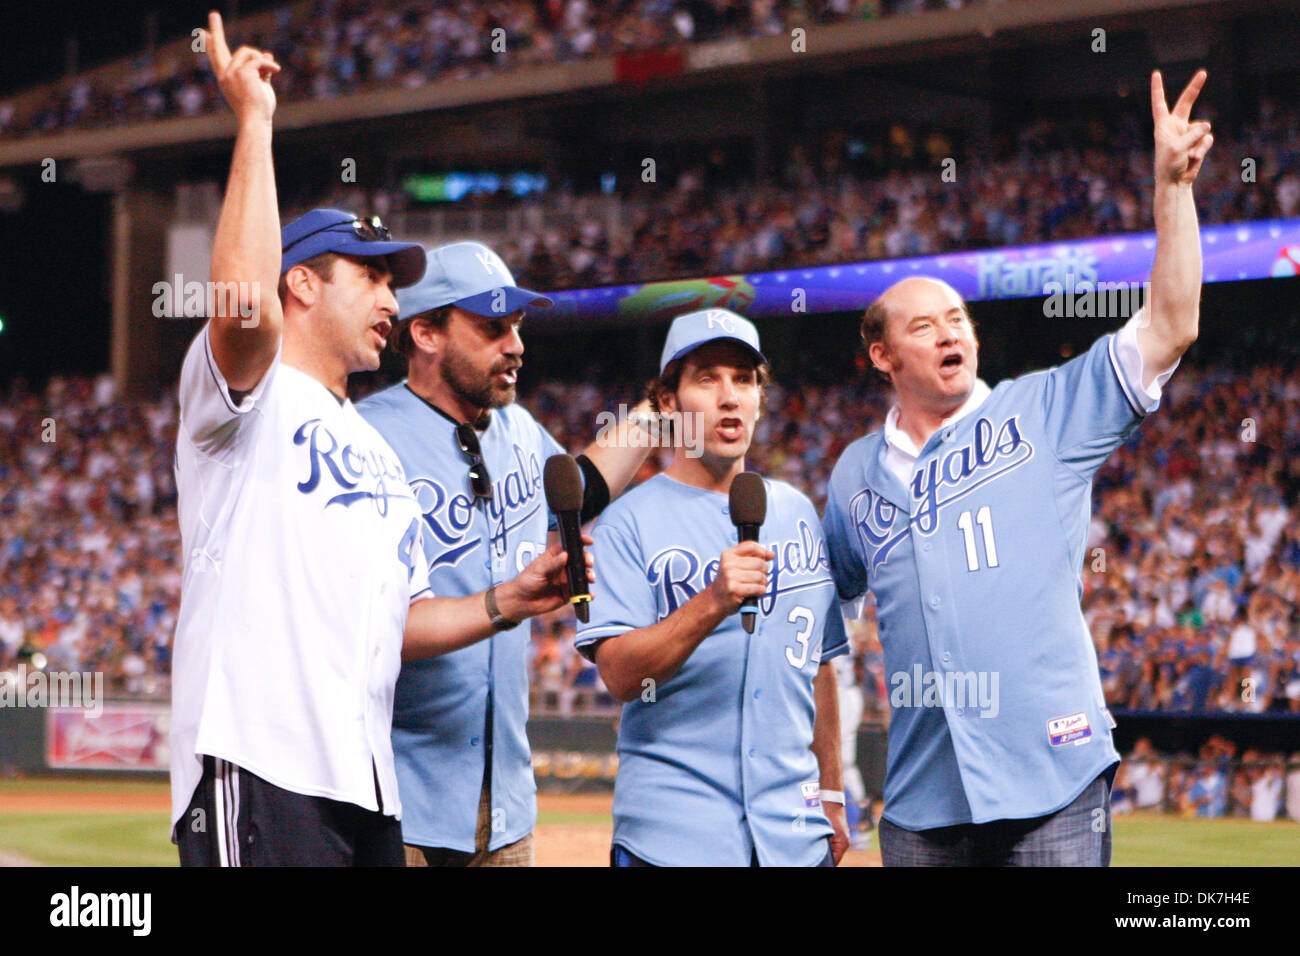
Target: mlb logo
1073, 729
812, 794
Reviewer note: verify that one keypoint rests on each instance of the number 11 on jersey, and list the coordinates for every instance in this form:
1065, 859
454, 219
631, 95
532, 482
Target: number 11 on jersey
984, 519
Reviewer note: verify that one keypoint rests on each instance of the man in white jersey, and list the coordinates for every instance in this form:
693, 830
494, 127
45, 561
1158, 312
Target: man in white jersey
305, 580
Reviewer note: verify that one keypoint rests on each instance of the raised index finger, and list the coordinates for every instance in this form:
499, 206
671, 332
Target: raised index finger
1159, 108
1183, 108
218, 50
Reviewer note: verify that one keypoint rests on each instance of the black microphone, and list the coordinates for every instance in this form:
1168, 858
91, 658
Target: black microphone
563, 482
748, 512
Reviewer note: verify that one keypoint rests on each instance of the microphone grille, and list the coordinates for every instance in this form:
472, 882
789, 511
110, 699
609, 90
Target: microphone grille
563, 482
748, 499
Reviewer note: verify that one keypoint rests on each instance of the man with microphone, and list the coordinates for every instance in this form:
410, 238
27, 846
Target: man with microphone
729, 741
474, 459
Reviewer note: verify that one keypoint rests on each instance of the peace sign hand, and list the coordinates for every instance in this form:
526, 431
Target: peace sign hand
245, 77
1181, 145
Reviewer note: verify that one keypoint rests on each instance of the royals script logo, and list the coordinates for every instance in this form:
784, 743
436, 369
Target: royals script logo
449, 514
362, 475
943, 479
801, 562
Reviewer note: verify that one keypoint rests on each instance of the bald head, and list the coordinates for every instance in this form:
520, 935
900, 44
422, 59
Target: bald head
907, 297
913, 333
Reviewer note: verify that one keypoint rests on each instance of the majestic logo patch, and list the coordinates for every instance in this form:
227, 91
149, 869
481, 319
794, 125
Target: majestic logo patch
1072, 729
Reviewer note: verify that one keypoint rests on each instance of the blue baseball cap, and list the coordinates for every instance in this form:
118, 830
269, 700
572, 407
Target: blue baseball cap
333, 230
469, 276
688, 332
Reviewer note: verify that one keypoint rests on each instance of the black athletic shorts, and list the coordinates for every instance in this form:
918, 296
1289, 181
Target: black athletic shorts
236, 818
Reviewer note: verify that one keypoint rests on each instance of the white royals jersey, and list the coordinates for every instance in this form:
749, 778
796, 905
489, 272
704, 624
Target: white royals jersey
303, 551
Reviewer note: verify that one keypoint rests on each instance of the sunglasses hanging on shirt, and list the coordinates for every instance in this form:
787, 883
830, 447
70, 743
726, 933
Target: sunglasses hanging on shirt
479, 481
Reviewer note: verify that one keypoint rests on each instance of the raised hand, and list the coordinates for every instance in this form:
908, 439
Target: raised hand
1181, 144
245, 77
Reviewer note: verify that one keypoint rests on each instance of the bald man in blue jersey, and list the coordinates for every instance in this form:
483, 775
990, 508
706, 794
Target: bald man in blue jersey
967, 516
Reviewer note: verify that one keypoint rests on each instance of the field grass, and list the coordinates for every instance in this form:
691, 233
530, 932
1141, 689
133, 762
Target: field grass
115, 835
89, 839
1149, 840
85, 786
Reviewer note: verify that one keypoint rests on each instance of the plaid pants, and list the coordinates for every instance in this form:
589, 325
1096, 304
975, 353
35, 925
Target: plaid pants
519, 853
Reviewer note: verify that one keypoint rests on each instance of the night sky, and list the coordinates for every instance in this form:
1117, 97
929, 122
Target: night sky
54, 268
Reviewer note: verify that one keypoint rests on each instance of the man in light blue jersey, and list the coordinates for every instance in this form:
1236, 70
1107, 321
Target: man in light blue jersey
967, 516
474, 460
729, 742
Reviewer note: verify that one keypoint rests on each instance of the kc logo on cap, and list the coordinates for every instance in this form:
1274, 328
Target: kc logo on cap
723, 320
470, 276
690, 331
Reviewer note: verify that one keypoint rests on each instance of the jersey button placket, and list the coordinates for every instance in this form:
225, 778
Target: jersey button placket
749, 696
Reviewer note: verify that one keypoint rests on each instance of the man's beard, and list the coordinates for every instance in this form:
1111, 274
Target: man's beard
469, 387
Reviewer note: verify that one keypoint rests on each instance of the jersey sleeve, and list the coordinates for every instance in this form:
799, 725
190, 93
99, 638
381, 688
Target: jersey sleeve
847, 568
422, 574
1092, 403
835, 638
622, 596
209, 417
1133, 366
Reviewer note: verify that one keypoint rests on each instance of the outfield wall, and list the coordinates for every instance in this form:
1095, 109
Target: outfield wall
130, 737
570, 753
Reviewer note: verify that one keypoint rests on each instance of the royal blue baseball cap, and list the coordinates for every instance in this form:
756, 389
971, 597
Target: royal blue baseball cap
333, 230
688, 332
469, 276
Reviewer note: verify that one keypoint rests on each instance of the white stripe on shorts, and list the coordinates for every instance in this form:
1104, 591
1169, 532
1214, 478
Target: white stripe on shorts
219, 806
233, 777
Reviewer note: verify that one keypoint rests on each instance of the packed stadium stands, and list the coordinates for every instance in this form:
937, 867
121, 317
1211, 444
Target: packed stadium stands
1191, 584
1050, 182
334, 47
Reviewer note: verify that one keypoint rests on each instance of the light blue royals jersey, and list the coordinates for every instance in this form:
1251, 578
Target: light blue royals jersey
441, 708
714, 764
996, 702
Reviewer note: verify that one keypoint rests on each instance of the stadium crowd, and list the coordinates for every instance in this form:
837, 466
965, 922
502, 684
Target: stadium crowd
878, 194
332, 48
1191, 576
1216, 782
90, 559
